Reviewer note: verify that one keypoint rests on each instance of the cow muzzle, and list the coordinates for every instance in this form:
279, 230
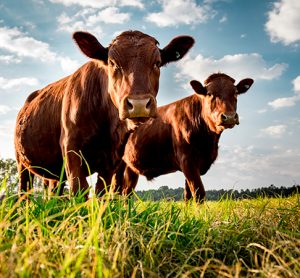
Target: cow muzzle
133, 108
229, 120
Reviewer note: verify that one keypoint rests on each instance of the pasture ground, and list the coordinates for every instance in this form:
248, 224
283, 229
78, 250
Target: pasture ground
115, 238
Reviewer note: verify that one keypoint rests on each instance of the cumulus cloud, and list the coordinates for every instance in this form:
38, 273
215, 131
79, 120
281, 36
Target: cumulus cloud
275, 131
17, 42
296, 83
100, 4
68, 65
9, 59
180, 12
238, 66
288, 101
14, 83
284, 102
247, 165
90, 19
109, 15
284, 21
23, 46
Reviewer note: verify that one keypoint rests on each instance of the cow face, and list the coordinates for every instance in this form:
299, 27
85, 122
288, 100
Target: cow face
219, 100
133, 63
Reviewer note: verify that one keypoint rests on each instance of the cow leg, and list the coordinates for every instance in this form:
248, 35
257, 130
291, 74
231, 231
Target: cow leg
187, 192
130, 181
195, 185
25, 179
118, 178
55, 187
75, 172
103, 183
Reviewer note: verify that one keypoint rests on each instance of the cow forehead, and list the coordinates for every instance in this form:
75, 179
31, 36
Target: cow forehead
133, 37
221, 86
133, 45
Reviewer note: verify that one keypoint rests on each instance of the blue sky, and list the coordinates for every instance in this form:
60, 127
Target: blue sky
255, 39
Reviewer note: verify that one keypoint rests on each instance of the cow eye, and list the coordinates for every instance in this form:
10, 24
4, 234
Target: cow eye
115, 66
111, 63
157, 64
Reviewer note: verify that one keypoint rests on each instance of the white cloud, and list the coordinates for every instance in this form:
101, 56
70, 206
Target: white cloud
90, 19
17, 42
288, 101
248, 166
9, 59
21, 45
238, 66
68, 65
275, 131
284, 102
284, 21
79, 22
4, 109
109, 15
180, 12
14, 83
101, 3
296, 83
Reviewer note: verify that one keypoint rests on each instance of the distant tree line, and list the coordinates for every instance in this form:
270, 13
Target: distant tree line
9, 177
164, 192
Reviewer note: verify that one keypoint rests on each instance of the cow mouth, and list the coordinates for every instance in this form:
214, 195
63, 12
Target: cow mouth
134, 123
139, 120
225, 126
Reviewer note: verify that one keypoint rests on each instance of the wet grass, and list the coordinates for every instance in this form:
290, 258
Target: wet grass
121, 238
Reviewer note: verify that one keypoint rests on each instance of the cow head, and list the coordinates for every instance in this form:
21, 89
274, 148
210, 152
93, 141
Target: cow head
219, 100
133, 62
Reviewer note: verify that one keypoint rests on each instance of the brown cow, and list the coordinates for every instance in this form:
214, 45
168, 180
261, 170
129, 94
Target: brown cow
184, 137
85, 118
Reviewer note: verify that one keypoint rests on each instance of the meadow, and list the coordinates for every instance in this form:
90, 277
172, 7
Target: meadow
57, 237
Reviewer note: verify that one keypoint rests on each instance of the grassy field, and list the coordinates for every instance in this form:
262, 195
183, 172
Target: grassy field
105, 238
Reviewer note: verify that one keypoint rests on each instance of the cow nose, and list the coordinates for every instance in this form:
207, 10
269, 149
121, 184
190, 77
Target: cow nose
138, 108
230, 119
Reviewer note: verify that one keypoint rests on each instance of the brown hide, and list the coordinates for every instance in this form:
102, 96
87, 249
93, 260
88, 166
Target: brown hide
85, 118
184, 137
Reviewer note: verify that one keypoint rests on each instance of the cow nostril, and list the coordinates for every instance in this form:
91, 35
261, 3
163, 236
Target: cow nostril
129, 104
149, 102
236, 116
224, 118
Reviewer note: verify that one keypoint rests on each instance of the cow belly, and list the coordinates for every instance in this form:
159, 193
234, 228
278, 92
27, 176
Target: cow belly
156, 172
154, 167
37, 147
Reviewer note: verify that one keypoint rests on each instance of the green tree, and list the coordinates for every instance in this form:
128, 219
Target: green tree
8, 174
8, 171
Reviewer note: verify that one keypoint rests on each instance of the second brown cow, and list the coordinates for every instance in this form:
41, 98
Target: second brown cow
184, 137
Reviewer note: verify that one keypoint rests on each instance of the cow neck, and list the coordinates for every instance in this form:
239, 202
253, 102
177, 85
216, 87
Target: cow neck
202, 127
98, 106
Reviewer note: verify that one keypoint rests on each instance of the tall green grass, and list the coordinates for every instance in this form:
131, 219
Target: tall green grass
126, 238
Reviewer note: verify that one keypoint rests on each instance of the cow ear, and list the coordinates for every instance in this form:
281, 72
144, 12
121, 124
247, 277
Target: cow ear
90, 46
244, 85
198, 87
176, 49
